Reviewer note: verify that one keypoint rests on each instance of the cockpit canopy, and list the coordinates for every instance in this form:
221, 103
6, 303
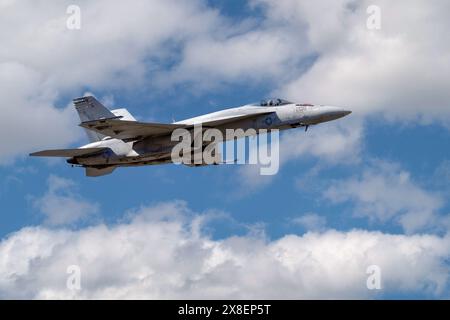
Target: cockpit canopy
272, 102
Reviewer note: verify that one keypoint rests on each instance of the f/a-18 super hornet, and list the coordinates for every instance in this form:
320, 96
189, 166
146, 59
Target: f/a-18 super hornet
118, 140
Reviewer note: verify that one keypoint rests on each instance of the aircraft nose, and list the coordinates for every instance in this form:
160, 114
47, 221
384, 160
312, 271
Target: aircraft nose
329, 113
338, 112
346, 112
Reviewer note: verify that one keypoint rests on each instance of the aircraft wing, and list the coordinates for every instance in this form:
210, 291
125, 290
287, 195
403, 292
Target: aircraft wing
68, 153
129, 130
134, 130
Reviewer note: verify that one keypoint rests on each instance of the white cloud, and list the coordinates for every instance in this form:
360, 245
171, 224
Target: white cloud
401, 70
384, 193
253, 57
112, 46
249, 180
162, 253
311, 221
29, 119
338, 143
61, 205
41, 60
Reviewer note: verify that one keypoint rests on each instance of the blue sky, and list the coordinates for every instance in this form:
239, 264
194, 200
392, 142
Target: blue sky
375, 185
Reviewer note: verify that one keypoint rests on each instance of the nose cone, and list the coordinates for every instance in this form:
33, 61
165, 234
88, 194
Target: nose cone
327, 113
346, 112
336, 112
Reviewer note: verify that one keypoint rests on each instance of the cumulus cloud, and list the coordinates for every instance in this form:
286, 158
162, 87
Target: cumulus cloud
321, 53
162, 252
260, 55
61, 205
311, 221
400, 70
29, 118
118, 46
338, 143
112, 46
385, 192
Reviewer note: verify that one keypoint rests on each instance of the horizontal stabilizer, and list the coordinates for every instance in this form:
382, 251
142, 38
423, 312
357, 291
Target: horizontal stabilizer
97, 172
67, 152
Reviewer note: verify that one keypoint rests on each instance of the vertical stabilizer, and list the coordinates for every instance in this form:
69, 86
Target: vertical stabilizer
89, 109
124, 114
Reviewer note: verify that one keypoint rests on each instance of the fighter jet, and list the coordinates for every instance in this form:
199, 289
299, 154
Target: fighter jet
118, 140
